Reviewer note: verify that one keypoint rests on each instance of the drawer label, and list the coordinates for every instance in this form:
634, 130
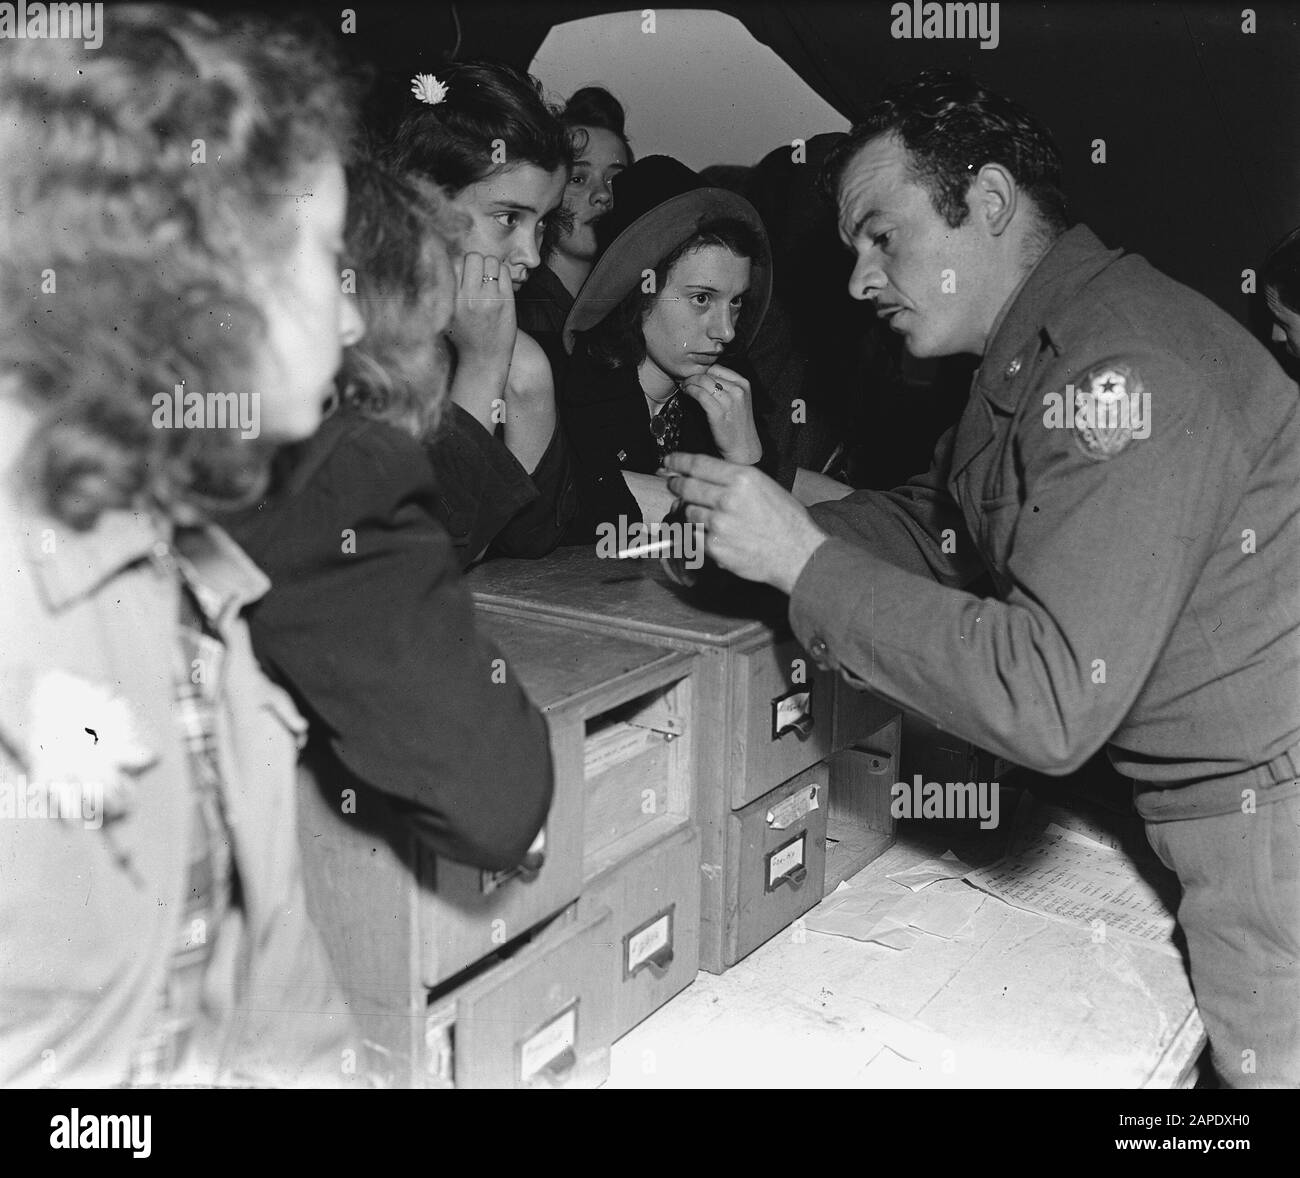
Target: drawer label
789, 810
789, 712
555, 1038
784, 860
645, 946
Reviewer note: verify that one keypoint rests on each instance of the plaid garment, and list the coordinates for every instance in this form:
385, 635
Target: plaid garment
161, 1055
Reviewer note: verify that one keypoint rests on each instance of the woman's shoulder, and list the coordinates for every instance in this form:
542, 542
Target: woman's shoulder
530, 370
353, 470
588, 380
368, 456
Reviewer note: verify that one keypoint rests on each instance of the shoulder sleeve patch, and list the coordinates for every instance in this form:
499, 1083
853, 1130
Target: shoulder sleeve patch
1106, 409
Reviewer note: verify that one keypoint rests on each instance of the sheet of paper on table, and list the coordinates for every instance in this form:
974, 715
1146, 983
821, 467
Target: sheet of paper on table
883, 914
1069, 877
651, 494
931, 871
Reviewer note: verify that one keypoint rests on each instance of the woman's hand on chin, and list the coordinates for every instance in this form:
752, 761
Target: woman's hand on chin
483, 324
725, 397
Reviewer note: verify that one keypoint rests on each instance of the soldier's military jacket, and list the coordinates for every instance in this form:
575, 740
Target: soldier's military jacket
1128, 471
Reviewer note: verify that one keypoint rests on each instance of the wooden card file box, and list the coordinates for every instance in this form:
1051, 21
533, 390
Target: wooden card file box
543, 1019
653, 951
400, 922
767, 712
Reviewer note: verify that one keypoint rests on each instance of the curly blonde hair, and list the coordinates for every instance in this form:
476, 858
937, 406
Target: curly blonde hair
400, 237
142, 183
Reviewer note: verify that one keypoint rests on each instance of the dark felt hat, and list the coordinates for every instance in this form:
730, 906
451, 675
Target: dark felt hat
659, 203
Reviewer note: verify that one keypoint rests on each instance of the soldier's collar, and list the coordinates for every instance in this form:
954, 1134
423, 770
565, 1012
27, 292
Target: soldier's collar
1075, 258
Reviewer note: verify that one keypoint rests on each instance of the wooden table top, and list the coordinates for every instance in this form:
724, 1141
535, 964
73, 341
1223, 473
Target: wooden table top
560, 666
576, 583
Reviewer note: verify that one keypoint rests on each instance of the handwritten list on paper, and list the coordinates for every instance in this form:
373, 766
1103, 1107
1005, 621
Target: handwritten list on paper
1072, 878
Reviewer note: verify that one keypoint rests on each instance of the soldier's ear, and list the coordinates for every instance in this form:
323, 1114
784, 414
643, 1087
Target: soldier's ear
993, 197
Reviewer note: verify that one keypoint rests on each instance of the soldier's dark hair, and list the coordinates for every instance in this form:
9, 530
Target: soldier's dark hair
952, 126
1281, 271
487, 104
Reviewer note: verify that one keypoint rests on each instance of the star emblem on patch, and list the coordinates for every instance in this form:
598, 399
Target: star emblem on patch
1109, 410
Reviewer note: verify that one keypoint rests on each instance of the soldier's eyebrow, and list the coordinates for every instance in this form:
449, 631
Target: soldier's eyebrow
861, 222
858, 226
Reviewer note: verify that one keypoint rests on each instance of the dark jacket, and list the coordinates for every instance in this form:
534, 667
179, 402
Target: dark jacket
1145, 576
608, 425
487, 501
370, 628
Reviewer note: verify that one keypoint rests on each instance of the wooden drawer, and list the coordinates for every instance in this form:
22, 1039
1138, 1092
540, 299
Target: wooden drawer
543, 1019
859, 824
860, 716
466, 912
595, 690
639, 770
654, 946
784, 719
779, 849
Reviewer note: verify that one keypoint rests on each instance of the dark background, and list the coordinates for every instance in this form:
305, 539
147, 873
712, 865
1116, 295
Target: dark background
1201, 121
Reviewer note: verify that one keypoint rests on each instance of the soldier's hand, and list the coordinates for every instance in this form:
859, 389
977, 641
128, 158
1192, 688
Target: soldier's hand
751, 526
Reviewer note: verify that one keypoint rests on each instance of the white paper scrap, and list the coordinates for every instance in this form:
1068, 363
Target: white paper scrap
922, 875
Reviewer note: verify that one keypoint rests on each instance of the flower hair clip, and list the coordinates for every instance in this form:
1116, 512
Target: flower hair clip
428, 89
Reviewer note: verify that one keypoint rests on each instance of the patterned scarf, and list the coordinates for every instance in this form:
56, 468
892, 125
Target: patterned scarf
666, 426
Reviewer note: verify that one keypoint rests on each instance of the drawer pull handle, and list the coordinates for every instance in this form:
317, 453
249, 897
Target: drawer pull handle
800, 727
557, 1071
792, 712
531, 865
658, 963
527, 870
795, 878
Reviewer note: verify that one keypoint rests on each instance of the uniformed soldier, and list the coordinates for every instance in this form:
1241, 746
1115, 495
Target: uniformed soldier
1127, 469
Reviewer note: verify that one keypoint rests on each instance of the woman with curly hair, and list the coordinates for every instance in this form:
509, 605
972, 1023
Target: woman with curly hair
367, 622
170, 222
482, 133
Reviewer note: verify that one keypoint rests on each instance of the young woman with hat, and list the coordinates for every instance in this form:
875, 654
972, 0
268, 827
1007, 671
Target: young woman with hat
657, 336
482, 133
